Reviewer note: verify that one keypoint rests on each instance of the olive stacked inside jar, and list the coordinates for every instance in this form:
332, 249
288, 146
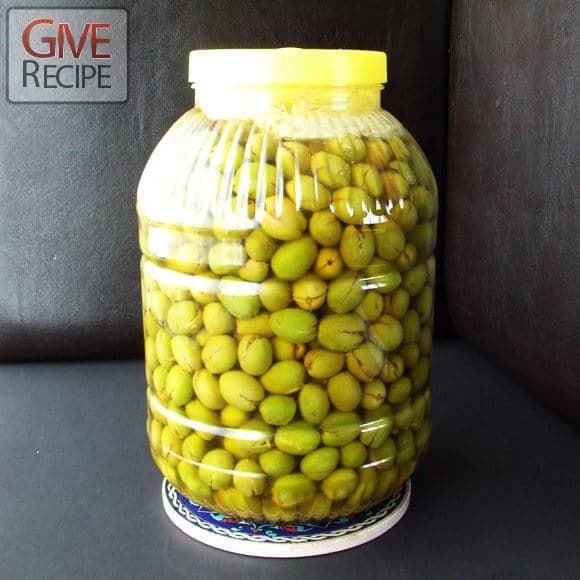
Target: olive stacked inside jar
288, 339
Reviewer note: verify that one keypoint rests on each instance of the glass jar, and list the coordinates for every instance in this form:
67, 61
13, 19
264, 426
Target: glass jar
287, 225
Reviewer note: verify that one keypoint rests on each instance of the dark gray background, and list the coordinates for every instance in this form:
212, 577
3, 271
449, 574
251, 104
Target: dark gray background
513, 201
68, 173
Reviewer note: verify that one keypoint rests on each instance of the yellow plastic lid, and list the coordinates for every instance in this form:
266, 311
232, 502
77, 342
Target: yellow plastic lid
288, 66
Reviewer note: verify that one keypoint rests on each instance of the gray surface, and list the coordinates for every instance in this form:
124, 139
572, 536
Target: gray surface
79, 497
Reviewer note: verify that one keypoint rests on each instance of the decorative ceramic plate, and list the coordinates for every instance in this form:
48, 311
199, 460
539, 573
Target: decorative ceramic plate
282, 540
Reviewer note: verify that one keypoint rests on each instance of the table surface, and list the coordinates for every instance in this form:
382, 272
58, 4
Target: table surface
497, 495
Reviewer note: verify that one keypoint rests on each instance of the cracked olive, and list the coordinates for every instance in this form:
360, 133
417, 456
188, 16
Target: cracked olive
288, 327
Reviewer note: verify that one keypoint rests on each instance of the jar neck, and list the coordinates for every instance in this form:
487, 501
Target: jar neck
222, 101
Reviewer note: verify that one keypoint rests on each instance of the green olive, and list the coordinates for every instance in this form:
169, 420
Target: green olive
384, 277
293, 259
407, 258
396, 186
309, 292
219, 354
178, 385
160, 380
255, 354
241, 390
328, 264
386, 333
308, 193
318, 508
399, 148
323, 364
357, 246
239, 297
340, 428
285, 350
254, 437
368, 481
424, 201
339, 484
284, 377
352, 205
226, 257
294, 325
260, 246
298, 438
405, 447
189, 258
258, 325
344, 392
278, 409
405, 170
414, 280
282, 221
277, 463
377, 426
365, 362
368, 178
254, 271
399, 391
294, 158
325, 228
383, 457
379, 153
397, 303
341, 332
390, 240
170, 445
404, 214
353, 454
320, 463
159, 305
371, 307
197, 489
204, 287
387, 482
207, 390
423, 237
351, 149
420, 373
206, 419
193, 447
292, 490
231, 416
186, 352
424, 304
248, 478
410, 353
184, 317
411, 325
216, 468
313, 403
275, 294
331, 170
374, 395
345, 293
255, 180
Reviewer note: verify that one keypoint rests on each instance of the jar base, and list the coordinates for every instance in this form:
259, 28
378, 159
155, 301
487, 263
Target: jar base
282, 540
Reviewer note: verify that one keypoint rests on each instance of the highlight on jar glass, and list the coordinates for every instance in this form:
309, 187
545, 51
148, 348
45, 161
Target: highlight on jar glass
287, 226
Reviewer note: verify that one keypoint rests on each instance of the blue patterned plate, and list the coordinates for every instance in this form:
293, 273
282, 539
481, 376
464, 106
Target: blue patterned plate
282, 540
